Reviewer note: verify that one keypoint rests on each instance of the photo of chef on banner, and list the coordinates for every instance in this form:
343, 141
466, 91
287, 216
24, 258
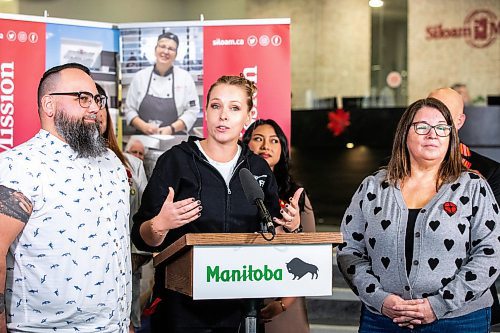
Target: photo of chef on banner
162, 71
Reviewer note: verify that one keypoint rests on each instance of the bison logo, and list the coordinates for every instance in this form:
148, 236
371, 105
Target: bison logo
299, 268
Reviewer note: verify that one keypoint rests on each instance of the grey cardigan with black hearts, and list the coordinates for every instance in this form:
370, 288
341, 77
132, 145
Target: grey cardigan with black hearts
456, 254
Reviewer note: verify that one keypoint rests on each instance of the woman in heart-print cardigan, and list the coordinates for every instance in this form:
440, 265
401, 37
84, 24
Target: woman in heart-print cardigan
421, 237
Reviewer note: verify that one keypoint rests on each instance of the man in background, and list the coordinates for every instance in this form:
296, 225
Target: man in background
487, 167
461, 88
64, 209
136, 147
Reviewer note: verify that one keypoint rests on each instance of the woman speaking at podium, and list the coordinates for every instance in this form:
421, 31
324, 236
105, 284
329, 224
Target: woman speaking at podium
195, 188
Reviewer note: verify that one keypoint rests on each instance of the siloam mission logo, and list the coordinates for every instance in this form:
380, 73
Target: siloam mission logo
296, 267
479, 30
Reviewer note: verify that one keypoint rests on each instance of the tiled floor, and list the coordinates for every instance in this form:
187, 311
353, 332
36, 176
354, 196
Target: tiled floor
332, 329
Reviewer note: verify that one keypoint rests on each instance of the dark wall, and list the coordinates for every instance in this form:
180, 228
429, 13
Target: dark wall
370, 127
481, 130
328, 170
331, 173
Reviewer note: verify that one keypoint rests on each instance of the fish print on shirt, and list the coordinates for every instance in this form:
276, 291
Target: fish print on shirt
75, 243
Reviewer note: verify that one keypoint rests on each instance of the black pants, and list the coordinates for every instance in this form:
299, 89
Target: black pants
173, 316
495, 308
196, 330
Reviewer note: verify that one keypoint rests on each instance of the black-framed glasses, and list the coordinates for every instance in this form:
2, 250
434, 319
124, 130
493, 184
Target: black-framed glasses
422, 128
85, 98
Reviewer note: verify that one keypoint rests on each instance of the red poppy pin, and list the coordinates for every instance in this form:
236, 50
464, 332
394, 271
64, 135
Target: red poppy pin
450, 208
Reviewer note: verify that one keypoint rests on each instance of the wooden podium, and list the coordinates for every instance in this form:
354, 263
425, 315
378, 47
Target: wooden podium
245, 265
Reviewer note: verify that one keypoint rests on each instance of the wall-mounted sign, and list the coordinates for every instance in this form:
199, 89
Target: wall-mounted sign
479, 30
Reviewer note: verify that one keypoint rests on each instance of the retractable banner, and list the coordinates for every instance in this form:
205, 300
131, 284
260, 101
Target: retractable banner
29, 45
258, 49
22, 63
260, 52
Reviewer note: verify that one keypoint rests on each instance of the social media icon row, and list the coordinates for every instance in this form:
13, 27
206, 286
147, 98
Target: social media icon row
21, 36
264, 40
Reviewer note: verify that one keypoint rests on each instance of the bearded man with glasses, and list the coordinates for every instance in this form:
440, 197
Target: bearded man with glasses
64, 207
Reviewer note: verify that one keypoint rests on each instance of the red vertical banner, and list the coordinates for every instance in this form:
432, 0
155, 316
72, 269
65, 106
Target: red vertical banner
22, 63
262, 54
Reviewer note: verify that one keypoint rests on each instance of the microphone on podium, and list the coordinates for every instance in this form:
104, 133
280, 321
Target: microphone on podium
255, 196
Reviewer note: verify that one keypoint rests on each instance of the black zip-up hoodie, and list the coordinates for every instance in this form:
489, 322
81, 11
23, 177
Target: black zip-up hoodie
225, 209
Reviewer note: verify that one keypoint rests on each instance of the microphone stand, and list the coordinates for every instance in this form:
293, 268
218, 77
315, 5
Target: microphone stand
251, 322
266, 221
251, 315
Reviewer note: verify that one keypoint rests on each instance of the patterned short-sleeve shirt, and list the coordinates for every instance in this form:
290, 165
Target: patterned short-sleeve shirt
69, 269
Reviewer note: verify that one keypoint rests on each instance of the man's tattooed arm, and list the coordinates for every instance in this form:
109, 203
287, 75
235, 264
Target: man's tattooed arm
17, 206
15, 211
14, 204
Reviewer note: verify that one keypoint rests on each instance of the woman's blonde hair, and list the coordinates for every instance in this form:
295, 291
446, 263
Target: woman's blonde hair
248, 86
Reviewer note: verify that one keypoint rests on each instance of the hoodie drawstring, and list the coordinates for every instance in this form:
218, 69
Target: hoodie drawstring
198, 176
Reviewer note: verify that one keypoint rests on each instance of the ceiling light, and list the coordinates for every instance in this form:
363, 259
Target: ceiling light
375, 3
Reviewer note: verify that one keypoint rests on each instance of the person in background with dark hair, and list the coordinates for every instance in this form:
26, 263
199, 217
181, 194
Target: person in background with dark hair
487, 167
162, 99
266, 139
107, 132
195, 188
137, 181
421, 236
64, 210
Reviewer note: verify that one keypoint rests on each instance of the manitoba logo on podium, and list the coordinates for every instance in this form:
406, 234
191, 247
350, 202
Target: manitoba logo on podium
259, 271
298, 268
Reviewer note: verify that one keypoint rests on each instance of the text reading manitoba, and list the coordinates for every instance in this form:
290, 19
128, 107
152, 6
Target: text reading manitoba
215, 274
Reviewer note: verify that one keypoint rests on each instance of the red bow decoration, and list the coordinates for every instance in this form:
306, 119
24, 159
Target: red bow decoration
338, 121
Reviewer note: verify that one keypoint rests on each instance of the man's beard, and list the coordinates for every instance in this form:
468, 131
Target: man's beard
81, 137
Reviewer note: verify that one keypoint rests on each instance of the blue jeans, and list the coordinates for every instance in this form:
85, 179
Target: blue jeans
135, 314
475, 322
